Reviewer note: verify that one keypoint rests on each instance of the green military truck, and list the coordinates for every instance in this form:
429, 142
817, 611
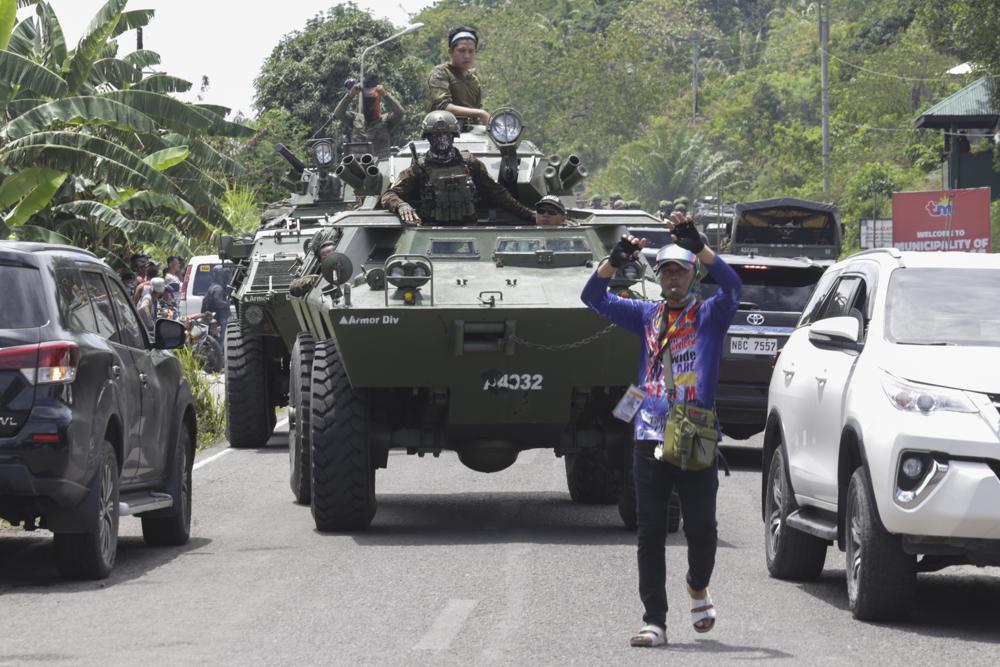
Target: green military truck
259, 340
469, 339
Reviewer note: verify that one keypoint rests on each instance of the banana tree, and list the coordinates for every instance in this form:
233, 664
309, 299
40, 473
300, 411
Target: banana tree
93, 147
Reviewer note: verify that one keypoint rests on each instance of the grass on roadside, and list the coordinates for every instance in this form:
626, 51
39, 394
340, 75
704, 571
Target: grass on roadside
211, 413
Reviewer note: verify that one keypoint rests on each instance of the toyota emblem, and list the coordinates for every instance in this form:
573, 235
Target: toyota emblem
755, 319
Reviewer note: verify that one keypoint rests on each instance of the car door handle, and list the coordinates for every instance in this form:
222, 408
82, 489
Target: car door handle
116, 372
143, 378
821, 379
789, 371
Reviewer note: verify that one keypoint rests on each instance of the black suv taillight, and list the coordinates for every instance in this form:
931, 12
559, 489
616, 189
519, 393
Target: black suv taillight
43, 363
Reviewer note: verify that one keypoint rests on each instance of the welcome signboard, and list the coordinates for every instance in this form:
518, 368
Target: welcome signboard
942, 220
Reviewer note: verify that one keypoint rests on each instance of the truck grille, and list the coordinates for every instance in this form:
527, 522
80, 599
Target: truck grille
272, 275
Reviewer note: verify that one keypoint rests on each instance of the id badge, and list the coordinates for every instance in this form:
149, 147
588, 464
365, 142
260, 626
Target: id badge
629, 404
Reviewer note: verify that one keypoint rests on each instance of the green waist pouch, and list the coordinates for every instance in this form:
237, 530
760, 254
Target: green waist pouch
690, 438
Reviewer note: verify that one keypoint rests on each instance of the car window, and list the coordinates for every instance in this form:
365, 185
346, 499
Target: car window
772, 288
104, 320
130, 330
22, 303
943, 306
202, 276
818, 298
842, 299
73, 300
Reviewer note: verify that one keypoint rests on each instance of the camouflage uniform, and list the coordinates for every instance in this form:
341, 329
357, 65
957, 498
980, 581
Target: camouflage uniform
376, 131
449, 86
415, 186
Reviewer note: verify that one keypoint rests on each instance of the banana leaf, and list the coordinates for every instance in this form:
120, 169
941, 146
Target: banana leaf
53, 41
206, 157
90, 159
110, 50
163, 83
137, 231
22, 105
78, 110
147, 200
170, 113
38, 234
22, 40
167, 158
21, 183
17, 70
8, 18
142, 58
215, 108
131, 20
118, 73
100, 30
36, 200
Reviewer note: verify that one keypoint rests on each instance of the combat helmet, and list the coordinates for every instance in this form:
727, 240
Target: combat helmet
439, 121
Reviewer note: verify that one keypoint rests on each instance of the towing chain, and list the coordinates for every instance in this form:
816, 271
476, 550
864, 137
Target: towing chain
564, 346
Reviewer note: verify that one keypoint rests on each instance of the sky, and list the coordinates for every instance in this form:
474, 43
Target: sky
225, 40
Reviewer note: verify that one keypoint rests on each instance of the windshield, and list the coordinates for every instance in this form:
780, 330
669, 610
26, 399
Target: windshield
944, 307
786, 227
773, 288
22, 304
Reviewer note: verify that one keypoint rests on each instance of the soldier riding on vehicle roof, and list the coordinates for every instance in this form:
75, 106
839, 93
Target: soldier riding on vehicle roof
454, 85
443, 185
376, 122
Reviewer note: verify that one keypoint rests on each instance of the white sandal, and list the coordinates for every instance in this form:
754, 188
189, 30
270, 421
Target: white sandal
702, 613
649, 636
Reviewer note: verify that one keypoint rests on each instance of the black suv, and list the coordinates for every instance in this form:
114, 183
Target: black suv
775, 291
96, 421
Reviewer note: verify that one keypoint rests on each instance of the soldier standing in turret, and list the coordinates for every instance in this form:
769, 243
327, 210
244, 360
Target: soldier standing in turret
376, 122
454, 85
442, 185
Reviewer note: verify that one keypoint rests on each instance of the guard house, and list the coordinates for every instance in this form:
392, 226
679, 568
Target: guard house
971, 121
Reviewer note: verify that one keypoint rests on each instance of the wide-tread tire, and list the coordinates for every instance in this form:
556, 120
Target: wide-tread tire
249, 413
91, 554
789, 553
299, 417
172, 527
343, 478
884, 581
592, 478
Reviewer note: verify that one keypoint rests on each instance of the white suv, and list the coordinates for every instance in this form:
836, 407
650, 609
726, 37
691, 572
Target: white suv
883, 430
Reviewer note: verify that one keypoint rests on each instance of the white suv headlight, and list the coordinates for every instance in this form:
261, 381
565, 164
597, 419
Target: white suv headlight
924, 398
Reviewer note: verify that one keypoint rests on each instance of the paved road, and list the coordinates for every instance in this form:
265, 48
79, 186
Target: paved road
457, 568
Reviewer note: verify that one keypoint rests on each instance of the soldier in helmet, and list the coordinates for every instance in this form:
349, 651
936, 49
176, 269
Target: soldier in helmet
633, 205
618, 205
381, 113
443, 185
596, 203
454, 85
664, 208
615, 197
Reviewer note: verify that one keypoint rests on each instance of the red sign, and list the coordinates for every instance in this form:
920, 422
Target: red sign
942, 220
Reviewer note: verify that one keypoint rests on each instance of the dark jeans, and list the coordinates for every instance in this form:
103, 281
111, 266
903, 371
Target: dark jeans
654, 482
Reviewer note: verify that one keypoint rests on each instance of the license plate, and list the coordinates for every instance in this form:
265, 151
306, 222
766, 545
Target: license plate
752, 345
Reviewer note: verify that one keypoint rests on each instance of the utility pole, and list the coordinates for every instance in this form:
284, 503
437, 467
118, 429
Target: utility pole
694, 79
138, 39
823, 10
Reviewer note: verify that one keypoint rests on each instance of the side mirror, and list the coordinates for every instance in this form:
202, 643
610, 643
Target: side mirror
337, 268
837, 333
169, 334
225, 246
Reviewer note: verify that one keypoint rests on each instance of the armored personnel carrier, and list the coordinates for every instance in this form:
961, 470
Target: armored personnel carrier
467, 339
259, 340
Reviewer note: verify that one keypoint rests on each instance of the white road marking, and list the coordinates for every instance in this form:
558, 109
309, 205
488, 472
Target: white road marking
446, 626
211, 458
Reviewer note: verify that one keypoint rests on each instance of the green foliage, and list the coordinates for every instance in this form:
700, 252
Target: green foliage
240, 205
995, 225
209, 412
868, 195
95, 152
967, 29
264, 167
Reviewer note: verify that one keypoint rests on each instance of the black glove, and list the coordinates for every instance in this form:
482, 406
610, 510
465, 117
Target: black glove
688, 237
622, 253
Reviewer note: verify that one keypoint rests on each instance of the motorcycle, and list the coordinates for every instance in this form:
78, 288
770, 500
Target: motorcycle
203, 332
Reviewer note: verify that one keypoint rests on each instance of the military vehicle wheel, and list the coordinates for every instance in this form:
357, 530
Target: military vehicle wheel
299, 400
249, 414
592, 478
343, 477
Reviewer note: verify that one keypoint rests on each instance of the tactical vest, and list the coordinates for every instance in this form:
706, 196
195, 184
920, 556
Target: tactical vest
448, 194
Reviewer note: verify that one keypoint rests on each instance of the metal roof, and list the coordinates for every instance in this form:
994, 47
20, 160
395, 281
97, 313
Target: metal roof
973, 107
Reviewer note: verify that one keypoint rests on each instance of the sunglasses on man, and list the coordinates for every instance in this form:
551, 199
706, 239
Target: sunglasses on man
548, 210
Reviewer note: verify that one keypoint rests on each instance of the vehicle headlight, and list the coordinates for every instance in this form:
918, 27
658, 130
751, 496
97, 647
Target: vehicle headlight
195, 333
323, 153
924, 398
506, 127
253, 315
